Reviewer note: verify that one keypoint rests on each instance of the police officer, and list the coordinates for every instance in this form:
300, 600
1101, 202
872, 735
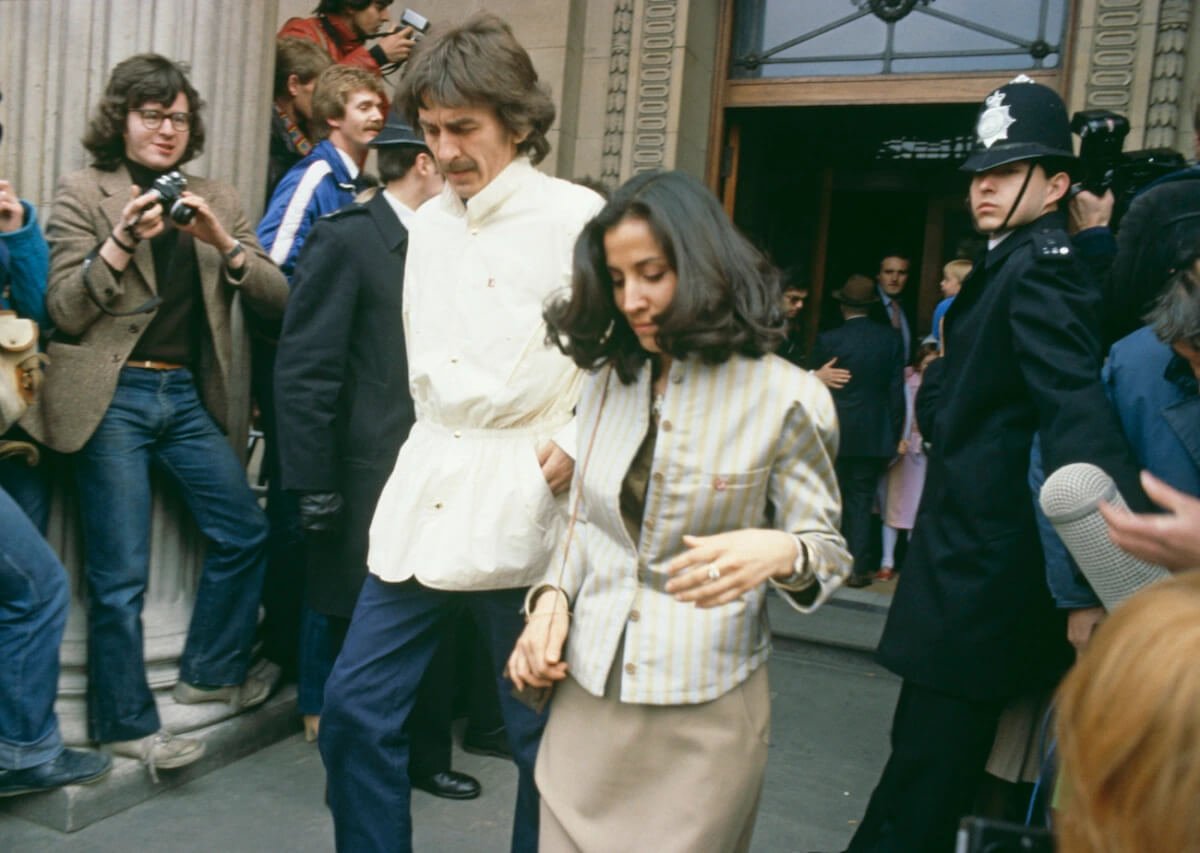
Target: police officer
973, 625
344, 409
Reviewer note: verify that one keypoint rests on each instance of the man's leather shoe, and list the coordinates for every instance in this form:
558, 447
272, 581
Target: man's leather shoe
858, 582
449, 785
70, 767
493, 743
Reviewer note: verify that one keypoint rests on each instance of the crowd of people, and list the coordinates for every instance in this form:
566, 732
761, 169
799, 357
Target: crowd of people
591, 432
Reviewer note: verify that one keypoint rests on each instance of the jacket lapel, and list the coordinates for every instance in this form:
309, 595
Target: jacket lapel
395, 235
115, 186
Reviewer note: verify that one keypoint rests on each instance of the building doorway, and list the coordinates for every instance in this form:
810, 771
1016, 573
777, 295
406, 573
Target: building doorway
827, 190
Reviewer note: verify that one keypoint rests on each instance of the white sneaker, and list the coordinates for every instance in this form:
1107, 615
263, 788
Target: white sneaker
159, 750
253, 691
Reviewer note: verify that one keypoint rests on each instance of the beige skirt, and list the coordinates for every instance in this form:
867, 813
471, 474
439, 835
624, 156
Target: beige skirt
620, 777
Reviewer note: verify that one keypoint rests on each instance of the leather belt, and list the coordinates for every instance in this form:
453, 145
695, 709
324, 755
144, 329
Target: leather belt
146, 364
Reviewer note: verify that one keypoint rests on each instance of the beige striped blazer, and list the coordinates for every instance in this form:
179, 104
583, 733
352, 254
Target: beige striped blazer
748, 443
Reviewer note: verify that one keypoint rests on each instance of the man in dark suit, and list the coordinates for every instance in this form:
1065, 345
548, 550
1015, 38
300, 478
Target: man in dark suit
870, 411
344, 409
973, 624
891, 308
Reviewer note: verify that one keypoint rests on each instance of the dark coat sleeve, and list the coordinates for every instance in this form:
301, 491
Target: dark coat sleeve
819, 353
929, 399
1054, 317
310, 368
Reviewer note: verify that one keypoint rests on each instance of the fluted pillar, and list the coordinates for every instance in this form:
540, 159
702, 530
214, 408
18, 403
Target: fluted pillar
53, 70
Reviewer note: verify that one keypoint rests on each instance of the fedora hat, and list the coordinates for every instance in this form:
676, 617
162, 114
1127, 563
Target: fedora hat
858, 292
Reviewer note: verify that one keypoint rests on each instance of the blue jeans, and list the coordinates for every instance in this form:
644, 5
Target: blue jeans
156, 417
33, 614
393, 636
28, 486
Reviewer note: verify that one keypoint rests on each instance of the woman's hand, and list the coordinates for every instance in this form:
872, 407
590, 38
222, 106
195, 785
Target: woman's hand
537, 658
716, 570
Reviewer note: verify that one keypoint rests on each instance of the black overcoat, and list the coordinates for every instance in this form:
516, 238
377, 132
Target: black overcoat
870, 406
341, 384
973, 616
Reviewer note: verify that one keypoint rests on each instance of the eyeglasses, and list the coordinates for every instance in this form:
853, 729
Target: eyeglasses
153, 119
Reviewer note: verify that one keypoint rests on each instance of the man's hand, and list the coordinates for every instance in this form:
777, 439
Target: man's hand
1081, 624
1089, 210
557, 467
206, 228
833, 377
398, 45
1171, 539
12, 215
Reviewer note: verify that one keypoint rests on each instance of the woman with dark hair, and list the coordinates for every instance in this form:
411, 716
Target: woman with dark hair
705, 475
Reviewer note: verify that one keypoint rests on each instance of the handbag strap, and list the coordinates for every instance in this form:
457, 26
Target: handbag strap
578, 502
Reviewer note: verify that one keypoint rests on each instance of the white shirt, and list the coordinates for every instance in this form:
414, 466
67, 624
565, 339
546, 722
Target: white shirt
466, 506
403, 212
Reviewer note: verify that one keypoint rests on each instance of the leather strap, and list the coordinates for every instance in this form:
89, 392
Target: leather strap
153, 365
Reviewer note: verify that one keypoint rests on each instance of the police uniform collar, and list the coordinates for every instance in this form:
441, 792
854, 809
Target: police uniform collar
1053, 223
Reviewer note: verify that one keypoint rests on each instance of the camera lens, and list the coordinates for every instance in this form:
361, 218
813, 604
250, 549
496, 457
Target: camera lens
182, 214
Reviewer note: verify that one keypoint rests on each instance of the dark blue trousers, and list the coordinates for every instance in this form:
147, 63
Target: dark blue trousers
393, 636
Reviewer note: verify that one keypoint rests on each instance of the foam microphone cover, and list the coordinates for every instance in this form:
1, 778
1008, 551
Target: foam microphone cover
1070, 499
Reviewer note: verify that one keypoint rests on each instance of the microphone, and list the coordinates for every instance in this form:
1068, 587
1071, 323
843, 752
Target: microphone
1070, 498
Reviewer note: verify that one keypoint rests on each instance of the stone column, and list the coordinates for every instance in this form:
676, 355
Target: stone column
54, 71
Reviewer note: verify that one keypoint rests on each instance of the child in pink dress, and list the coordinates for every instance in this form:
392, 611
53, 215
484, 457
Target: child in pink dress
906, 476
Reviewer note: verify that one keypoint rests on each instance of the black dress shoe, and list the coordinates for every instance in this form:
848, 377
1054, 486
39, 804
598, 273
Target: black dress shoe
449, 785
493, 743
71, 767
857, 582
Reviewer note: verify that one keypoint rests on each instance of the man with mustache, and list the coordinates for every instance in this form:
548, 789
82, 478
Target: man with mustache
474, 509
347, 113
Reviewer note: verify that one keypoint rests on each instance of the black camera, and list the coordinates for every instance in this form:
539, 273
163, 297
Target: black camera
1104, 166
169, 189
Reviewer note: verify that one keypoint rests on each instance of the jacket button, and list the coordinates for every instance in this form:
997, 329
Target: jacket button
677, 376
648, 524
657, 476
457, 434
108, 291
438, 505
630, 668
133, 329
634, 615
719, 483
116, 359
665, 426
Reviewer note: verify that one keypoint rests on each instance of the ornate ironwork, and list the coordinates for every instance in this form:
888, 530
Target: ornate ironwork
894, 13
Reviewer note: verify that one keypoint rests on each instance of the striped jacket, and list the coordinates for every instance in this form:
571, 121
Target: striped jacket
748, 443
319, 184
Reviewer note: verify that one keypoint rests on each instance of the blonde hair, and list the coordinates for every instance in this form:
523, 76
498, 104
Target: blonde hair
957, 269
1129, 728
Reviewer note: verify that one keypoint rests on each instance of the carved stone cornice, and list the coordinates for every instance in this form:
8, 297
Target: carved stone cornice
1166, 84
656, 54
618, 92
1114, 54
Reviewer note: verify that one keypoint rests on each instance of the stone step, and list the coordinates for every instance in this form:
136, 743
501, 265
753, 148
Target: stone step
73, 807
852, 620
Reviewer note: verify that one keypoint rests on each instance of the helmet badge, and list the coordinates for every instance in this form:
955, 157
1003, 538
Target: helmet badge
994, 121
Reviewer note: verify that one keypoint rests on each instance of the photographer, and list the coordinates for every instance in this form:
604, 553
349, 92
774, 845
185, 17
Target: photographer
343, 27
142, 283
1156, 233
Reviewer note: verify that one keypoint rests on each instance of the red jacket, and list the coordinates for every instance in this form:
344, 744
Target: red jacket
335, 35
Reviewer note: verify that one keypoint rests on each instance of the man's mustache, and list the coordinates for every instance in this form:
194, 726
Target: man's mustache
460, 164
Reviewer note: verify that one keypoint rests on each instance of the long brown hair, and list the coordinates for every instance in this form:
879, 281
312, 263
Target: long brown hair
1129, 728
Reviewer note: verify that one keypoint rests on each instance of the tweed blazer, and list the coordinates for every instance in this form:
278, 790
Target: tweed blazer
90, 347
744, 444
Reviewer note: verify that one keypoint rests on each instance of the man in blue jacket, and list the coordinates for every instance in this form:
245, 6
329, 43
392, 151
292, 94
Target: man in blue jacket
347, 114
